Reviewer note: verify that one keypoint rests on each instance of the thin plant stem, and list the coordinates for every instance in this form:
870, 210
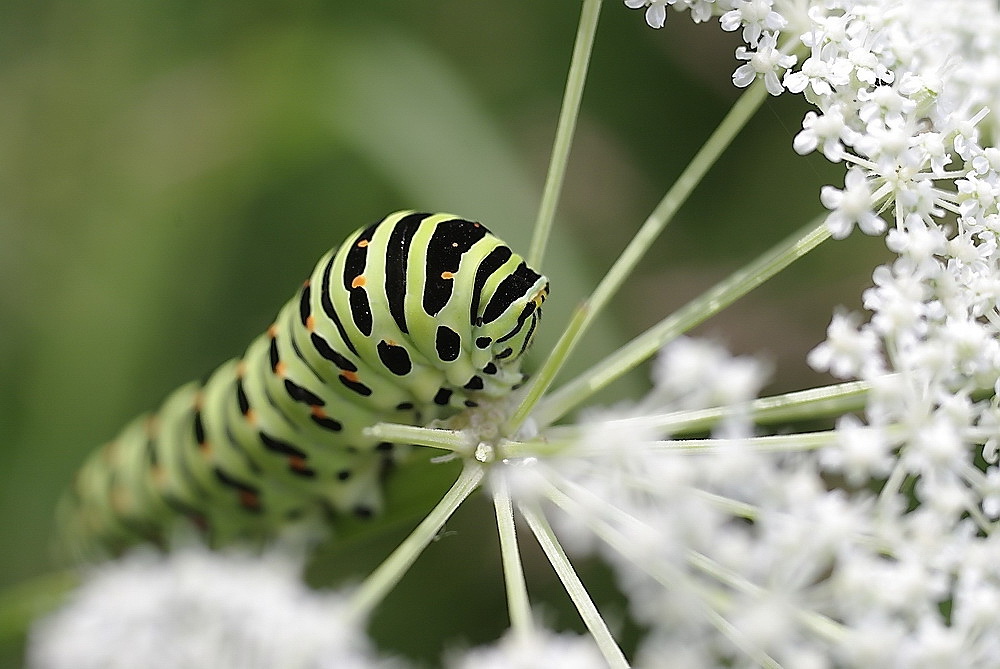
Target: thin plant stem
518, 605
445, 440
832, 400
721, 138
378, 584
772, 443
575, 81
696, 311
734, 508
821, 402
574, 587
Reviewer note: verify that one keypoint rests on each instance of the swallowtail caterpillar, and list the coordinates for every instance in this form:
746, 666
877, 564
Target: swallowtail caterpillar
414, 316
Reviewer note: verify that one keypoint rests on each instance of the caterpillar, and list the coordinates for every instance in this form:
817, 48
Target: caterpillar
412, 317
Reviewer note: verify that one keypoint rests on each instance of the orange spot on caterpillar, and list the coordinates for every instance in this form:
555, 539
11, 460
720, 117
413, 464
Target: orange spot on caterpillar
272, 331
350, 376
362, 243
249, 500
447, 275
317, 411
359, 281
297, 463
205, 449
306, 282
311, 323
251, 416
241, 369
281, 368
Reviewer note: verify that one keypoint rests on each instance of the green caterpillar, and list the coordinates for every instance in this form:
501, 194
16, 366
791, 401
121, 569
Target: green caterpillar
412, 316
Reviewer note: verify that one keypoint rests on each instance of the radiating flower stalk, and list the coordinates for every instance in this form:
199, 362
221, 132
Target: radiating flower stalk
868, 544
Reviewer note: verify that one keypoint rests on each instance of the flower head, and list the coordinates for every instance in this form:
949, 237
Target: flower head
196, 608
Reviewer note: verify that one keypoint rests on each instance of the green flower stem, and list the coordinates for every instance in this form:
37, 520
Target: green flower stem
693, 313
378, 584
822, 402
774, 443
833, 400
518, 605
692, 175
892, 486
540, 383
564, 130
544, 446
574, 586
984, 524
730, 506
445, 440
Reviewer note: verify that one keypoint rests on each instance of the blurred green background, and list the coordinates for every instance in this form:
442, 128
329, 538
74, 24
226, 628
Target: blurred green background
170, 171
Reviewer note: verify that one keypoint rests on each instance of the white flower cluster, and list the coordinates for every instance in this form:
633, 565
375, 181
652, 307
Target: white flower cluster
722, 548
196, 608
906, 94
736, 551
921, 149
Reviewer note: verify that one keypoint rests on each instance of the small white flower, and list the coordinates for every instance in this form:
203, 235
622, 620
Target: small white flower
819, 75
897, 300
755, 16
884, 106
848, 352
828, 130
766, 61
656, 10
861, 453
978, 196
851, 206
867, 68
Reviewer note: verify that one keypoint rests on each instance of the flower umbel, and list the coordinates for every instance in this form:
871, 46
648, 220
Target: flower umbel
196, 608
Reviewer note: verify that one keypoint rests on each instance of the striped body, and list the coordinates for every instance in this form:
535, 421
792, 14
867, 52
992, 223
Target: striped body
413, 316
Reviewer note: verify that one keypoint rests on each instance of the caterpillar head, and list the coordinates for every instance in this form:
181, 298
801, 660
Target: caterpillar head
511, 314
